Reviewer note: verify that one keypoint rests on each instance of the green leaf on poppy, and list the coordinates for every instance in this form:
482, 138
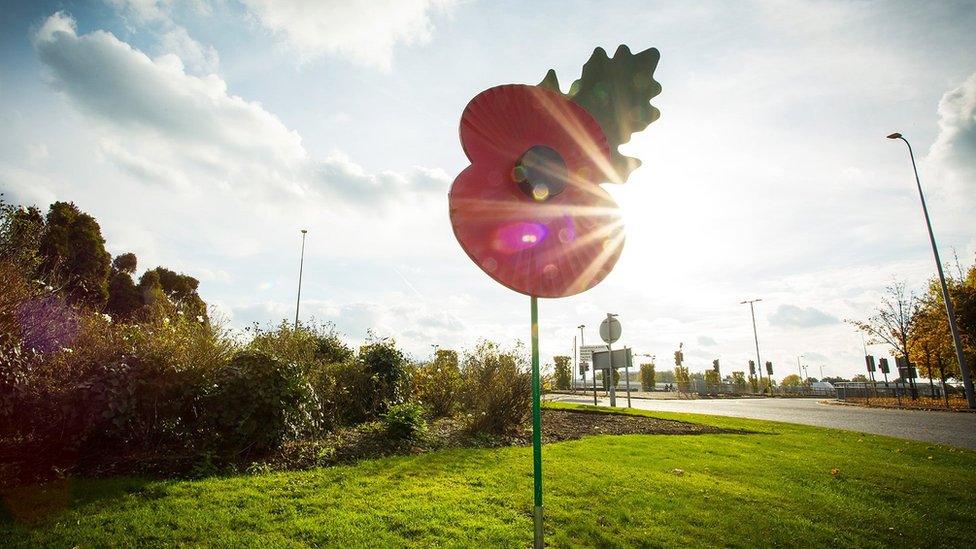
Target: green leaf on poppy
617, 92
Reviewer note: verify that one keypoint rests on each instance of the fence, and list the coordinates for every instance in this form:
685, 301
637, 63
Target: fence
900, 389
702, 388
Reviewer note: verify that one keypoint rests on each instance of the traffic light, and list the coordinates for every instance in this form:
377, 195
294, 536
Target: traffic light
715, 365
769, 368
870, 361
883, 364
752, 368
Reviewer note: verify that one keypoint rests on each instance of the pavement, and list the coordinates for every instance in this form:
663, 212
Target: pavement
952, 428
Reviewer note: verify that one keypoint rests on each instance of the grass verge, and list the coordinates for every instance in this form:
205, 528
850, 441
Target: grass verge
777, 484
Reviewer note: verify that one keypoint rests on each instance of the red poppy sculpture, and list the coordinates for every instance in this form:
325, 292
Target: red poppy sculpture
530, 210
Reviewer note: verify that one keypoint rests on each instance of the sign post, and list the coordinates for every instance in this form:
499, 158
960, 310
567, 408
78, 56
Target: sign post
627, 374
609, 333
594, 386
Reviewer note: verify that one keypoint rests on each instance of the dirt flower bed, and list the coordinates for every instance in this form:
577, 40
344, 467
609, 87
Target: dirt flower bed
365, 441
369, 441
956, 403
560, 425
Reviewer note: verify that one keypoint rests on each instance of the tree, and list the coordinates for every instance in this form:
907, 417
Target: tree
180, 290
791, 380
647, 376
739, 380
931, 342
615, 375
682, 378
20, 237
712, 380
860, 378
125, 263
664, 376
124, 299
564, 372
963, 293
72, 250
892, 323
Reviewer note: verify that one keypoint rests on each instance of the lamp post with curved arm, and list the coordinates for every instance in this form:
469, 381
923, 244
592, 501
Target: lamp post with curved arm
301, 266
963, 367
755, 336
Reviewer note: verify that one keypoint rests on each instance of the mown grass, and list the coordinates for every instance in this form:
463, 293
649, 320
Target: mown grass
771, 486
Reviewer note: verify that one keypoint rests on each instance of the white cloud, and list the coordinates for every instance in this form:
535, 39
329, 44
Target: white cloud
37, 153
800, 317
413, 322
197, 57
20, 186
706, 341
954, 151
172, 38
143, 11
178, 130
366, 31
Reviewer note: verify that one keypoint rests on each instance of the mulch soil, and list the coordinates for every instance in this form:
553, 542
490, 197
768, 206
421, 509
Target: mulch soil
560, 425
349, 445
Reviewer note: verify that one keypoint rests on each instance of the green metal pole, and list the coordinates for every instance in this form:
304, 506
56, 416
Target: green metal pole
536, 425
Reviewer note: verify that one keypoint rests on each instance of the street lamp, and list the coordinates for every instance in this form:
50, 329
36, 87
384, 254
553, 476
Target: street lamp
799, 371
581, 326
301, 265
963, 367
755, 335
435, 346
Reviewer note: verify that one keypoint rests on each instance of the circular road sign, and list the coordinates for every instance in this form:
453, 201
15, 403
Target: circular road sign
610, 330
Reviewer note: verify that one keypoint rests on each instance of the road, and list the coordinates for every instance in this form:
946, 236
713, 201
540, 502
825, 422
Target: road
953, 428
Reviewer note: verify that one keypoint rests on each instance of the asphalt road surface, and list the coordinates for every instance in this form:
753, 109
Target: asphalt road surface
953, 428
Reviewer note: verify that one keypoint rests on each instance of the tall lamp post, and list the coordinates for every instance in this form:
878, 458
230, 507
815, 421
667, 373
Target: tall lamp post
301, 265
579, 358
581, 326
963, 367
799, 372
755, 335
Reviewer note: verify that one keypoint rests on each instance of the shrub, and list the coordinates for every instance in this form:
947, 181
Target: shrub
389, 376
347, 386
437, 385
320, 355
258, 401
497, 388
309, 346
405, 421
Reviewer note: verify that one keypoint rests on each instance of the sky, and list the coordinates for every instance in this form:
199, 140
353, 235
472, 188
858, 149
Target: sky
204, 135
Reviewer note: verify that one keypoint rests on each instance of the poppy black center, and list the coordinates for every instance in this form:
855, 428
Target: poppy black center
540, 173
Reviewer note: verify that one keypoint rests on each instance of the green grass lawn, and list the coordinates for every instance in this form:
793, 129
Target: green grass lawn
770, 487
